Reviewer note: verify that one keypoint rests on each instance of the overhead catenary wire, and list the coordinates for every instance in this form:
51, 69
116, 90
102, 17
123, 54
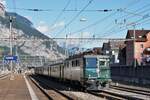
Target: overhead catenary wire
142, 17
99, 21
84, 10
64, 10
128, 17
137, 10
95, 23
125, 27
60, 14
103, 19
105, 10
75, 16
72, 39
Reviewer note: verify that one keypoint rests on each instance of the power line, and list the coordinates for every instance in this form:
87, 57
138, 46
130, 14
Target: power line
131, 13
139, 14
125, 27
127, 17
70, 39
60, 14
75, 16
103, 19
143, 17
64, 10
95, 23
122, 17
137, 10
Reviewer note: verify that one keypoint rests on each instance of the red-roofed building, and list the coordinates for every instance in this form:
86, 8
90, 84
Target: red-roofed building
141, 44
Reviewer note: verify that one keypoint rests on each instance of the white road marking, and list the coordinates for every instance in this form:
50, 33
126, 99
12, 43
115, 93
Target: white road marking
32, 93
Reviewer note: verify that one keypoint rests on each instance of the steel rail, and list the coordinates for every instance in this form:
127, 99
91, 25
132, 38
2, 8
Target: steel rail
55, 90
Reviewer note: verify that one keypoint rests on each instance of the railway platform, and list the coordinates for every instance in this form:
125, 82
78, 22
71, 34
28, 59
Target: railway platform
16, 89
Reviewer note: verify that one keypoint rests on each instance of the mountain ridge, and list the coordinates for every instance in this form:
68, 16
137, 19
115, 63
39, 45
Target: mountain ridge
22, 29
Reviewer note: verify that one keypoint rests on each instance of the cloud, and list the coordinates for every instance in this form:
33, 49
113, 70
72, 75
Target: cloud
57, 25
43, 28
74, 42
81, 35
47, 29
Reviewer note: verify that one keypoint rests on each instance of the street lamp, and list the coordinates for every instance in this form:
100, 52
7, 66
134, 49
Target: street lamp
80, 44
66, 51
11, 64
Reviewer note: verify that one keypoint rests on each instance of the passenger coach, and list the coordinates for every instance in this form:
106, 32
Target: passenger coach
90, 71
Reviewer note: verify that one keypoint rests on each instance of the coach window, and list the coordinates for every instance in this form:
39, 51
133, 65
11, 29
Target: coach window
77, 63
72, 63
67, 64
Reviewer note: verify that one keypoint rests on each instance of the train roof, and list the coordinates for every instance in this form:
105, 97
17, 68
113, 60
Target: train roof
88, 56
57, 63
99, 56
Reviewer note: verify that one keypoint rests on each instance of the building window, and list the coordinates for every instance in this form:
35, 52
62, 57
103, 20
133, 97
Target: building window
142, 54
107, 52
113, 52
142, 46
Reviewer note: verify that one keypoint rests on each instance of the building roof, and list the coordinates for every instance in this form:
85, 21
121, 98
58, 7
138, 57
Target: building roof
94, 51
140, 35
116, 44
113, 45
147, 50
105, 46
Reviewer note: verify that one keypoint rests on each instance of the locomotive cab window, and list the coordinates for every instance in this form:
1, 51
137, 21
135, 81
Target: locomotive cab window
102, 63
91, 62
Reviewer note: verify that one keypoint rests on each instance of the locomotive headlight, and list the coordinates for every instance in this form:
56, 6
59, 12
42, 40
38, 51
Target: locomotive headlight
89, 75
97, 70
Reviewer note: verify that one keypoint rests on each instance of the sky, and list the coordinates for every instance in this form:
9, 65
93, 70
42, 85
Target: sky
87, 18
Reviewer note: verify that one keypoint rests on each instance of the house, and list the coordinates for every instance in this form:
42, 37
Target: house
122, 55
137, 50
105, 49
112, 49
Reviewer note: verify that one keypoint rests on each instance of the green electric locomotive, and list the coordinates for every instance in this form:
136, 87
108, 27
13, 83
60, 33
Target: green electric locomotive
96, 71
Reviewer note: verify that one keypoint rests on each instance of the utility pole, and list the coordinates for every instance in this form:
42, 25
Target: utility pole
134, 36
16, 47
3, 64
11, 63
66, 51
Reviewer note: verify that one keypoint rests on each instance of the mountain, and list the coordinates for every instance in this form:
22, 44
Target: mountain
27, 40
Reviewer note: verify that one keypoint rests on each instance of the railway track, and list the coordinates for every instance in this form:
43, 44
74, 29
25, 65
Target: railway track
67, 91
122, 93
49, 91
106, 95
133, 90
110, 95
4, 76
